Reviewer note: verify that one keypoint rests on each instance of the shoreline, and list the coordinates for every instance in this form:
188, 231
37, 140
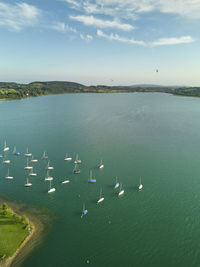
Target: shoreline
41, 222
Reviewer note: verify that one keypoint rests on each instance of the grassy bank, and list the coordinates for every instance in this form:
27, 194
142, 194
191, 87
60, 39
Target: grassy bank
14, 229
17, 241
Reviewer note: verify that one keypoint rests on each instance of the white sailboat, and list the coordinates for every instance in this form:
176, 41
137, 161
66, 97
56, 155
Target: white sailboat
67, 158
100, 197
34, 160
28, 184
140, 185
116, 183
101, 166
77, 161
27, 167
51, 190
121, 192
8, 176
49, 167
44, 156
48, 178
6, 161
27, 154
6, 148
32, 173
65, 181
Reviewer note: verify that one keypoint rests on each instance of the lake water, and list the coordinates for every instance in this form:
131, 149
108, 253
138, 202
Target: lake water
152, 135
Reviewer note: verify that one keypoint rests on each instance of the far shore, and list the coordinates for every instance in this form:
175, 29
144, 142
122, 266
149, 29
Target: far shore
40, 220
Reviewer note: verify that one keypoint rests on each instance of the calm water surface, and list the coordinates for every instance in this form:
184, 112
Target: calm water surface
155, 136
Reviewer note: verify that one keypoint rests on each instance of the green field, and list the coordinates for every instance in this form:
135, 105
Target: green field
13, 230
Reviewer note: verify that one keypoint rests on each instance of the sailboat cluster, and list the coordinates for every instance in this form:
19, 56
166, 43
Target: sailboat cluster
30, 172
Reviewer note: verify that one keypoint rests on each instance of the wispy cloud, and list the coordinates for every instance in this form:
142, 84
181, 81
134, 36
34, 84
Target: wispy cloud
132, 8
62, 27
86, 37
100, 23
162, 41
18, 16
116, 37
173, 41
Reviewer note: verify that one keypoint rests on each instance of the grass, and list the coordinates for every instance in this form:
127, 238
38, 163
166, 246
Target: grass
13, 230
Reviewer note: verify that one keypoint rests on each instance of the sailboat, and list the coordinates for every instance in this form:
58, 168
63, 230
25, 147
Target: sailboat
140, 185
67, 158
91, 180
28, 167
8, 176
77, 161
116, 183
76, 170
121, 192
32, 173
44, 156
84, 212
51, 190
34, 160
48, 178
49, 167
6, 148
65, 181
28, 184
101, 166
27, 154
15, 152
6, 161
100, 197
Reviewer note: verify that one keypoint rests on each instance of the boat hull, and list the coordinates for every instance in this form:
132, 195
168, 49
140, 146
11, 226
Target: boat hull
51, 190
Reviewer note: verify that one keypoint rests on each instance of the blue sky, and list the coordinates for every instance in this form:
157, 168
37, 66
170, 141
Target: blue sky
114, 42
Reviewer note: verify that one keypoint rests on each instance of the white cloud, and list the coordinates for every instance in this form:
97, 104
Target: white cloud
18, 15
73, 2
116, 37
132, 8
86, 37
173, 41
162, 41
92, 21
62, 27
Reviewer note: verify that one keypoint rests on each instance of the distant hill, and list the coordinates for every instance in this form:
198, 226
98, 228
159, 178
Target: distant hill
12, 90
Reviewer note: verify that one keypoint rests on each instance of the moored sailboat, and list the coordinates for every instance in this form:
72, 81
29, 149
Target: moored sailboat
15, 152
28, 184
6, 148
27, 154
49, 167
91, 180
65, 181
8, 176
51, 190
44, 156
116, 183
84, 212
140, 185
48, 178
27, 167
77, 160
101, 166
121, 191
67, 157
76, 170
100, 197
